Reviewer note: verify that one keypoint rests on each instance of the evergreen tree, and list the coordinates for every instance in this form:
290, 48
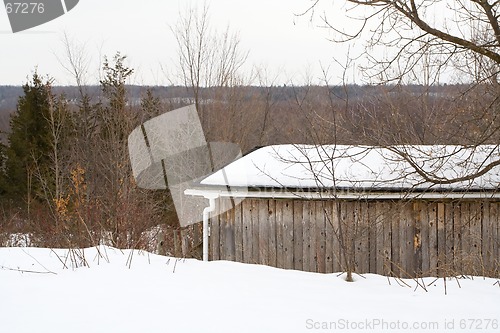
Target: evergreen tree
150, 105
29, 144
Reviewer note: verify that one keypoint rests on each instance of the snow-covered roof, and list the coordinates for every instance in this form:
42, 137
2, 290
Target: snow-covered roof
363, 168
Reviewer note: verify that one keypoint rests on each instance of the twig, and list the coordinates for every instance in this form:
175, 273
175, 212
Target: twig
129, 259
106, 253
59, 258
433, 282
406, 284
79, 254
82, 258
458, 282
100, 255
400, 283
48, 270
423, 284
175, 264
419, 284
26, 271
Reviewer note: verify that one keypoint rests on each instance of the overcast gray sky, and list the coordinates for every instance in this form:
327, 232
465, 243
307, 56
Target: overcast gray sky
277, 40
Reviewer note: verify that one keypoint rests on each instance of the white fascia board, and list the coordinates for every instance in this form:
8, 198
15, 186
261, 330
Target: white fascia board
210, 193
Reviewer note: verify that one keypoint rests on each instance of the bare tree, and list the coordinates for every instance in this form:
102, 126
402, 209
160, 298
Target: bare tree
408, 43
207, 58
59, 121
465, 32
76, 62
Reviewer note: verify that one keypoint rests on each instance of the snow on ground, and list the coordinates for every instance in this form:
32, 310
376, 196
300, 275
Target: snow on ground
132, 291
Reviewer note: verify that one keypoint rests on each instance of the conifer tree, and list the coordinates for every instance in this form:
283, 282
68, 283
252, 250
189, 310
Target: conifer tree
27, 153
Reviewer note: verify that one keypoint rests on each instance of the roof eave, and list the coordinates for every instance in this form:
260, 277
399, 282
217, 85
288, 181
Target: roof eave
345, 194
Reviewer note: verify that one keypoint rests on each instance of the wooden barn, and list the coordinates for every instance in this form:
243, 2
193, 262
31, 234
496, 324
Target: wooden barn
402, 211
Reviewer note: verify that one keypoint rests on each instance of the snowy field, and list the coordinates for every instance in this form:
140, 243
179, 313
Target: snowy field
43, 290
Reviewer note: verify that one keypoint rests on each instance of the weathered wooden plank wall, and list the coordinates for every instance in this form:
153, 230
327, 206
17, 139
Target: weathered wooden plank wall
402, 238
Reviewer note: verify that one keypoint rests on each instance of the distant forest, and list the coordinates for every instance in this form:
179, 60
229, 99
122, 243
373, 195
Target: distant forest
172, 96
